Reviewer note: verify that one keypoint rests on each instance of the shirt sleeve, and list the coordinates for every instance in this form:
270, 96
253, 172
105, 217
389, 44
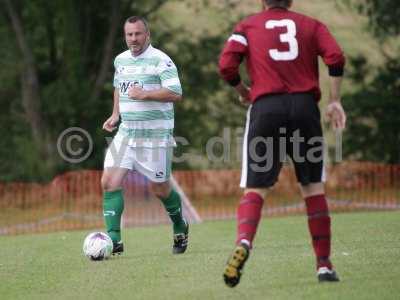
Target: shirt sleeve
169, 77
235, 49
330, 51
116, 82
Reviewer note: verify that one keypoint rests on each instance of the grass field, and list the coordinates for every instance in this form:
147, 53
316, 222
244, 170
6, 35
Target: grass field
366, 254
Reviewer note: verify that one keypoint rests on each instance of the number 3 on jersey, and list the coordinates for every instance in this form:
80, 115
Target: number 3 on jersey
288, 37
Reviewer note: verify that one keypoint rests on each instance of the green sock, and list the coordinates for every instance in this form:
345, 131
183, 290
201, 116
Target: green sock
173, 206
113, 206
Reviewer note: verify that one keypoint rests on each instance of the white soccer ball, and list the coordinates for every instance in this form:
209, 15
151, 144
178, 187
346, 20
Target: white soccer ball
97, 246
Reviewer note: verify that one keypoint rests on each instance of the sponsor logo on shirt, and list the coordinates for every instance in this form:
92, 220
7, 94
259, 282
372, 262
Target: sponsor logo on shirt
124, 86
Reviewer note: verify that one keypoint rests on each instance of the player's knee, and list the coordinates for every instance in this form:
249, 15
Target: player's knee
109, 184
312, 189
160, 190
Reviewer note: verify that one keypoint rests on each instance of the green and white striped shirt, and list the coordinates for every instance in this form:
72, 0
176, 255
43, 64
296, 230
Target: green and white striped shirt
146, 123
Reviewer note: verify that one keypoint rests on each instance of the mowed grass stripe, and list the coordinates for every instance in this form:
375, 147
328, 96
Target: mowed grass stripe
281, 266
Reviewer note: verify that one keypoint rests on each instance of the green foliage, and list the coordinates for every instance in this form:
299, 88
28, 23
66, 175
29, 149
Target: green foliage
383, 15
64, 39
373, 114
68, 41
373, 105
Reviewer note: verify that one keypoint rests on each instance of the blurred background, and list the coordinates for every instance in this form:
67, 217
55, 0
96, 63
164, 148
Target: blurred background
56, 70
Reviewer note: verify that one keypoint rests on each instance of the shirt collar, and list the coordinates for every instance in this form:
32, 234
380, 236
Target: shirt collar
278, 8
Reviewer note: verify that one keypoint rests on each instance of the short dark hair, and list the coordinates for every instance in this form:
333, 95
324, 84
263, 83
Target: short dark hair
278, 3
135, 19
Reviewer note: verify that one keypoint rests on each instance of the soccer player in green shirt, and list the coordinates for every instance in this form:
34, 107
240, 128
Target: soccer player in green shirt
146, 85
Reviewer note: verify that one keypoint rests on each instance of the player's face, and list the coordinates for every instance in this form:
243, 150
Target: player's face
137, 37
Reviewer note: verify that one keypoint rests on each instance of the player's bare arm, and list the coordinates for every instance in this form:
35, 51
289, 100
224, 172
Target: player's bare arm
161, 95
110, 124
335, 112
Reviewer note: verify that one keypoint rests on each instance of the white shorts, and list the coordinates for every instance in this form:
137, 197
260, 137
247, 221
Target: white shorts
152, 162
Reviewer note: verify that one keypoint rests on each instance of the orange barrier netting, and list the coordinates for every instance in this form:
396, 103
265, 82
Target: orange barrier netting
74, 200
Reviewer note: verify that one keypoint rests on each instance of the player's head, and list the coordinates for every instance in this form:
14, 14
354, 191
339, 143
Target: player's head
137, 34
277, 3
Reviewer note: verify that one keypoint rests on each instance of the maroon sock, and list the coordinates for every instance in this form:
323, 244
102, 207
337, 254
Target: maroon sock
319, 224
248, 216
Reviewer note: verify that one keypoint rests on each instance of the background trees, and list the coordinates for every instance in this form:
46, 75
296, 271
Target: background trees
374, 105
56, 71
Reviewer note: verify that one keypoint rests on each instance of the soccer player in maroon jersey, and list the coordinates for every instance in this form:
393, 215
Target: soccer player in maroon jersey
281, 50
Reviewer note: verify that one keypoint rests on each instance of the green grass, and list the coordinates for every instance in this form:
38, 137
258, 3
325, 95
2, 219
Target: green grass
366, 254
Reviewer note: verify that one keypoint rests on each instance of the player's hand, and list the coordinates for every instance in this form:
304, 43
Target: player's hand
244, 100
110, 124
244, 93
137, 93
336, 115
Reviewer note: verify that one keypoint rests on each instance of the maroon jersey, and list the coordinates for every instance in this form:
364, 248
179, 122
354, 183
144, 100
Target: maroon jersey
281, 49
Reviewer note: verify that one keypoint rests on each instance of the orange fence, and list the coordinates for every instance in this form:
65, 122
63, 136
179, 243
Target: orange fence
74, 200
350, 186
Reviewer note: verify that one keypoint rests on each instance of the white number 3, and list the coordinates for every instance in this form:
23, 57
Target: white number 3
288, 37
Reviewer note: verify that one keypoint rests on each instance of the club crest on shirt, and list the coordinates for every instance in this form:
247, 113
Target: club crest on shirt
120, 70
126, 70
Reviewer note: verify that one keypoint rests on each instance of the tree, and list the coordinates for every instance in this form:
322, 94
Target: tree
58, 74
63, 59
383, 15
373, 107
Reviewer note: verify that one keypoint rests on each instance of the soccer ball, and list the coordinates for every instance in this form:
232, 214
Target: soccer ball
97, 246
